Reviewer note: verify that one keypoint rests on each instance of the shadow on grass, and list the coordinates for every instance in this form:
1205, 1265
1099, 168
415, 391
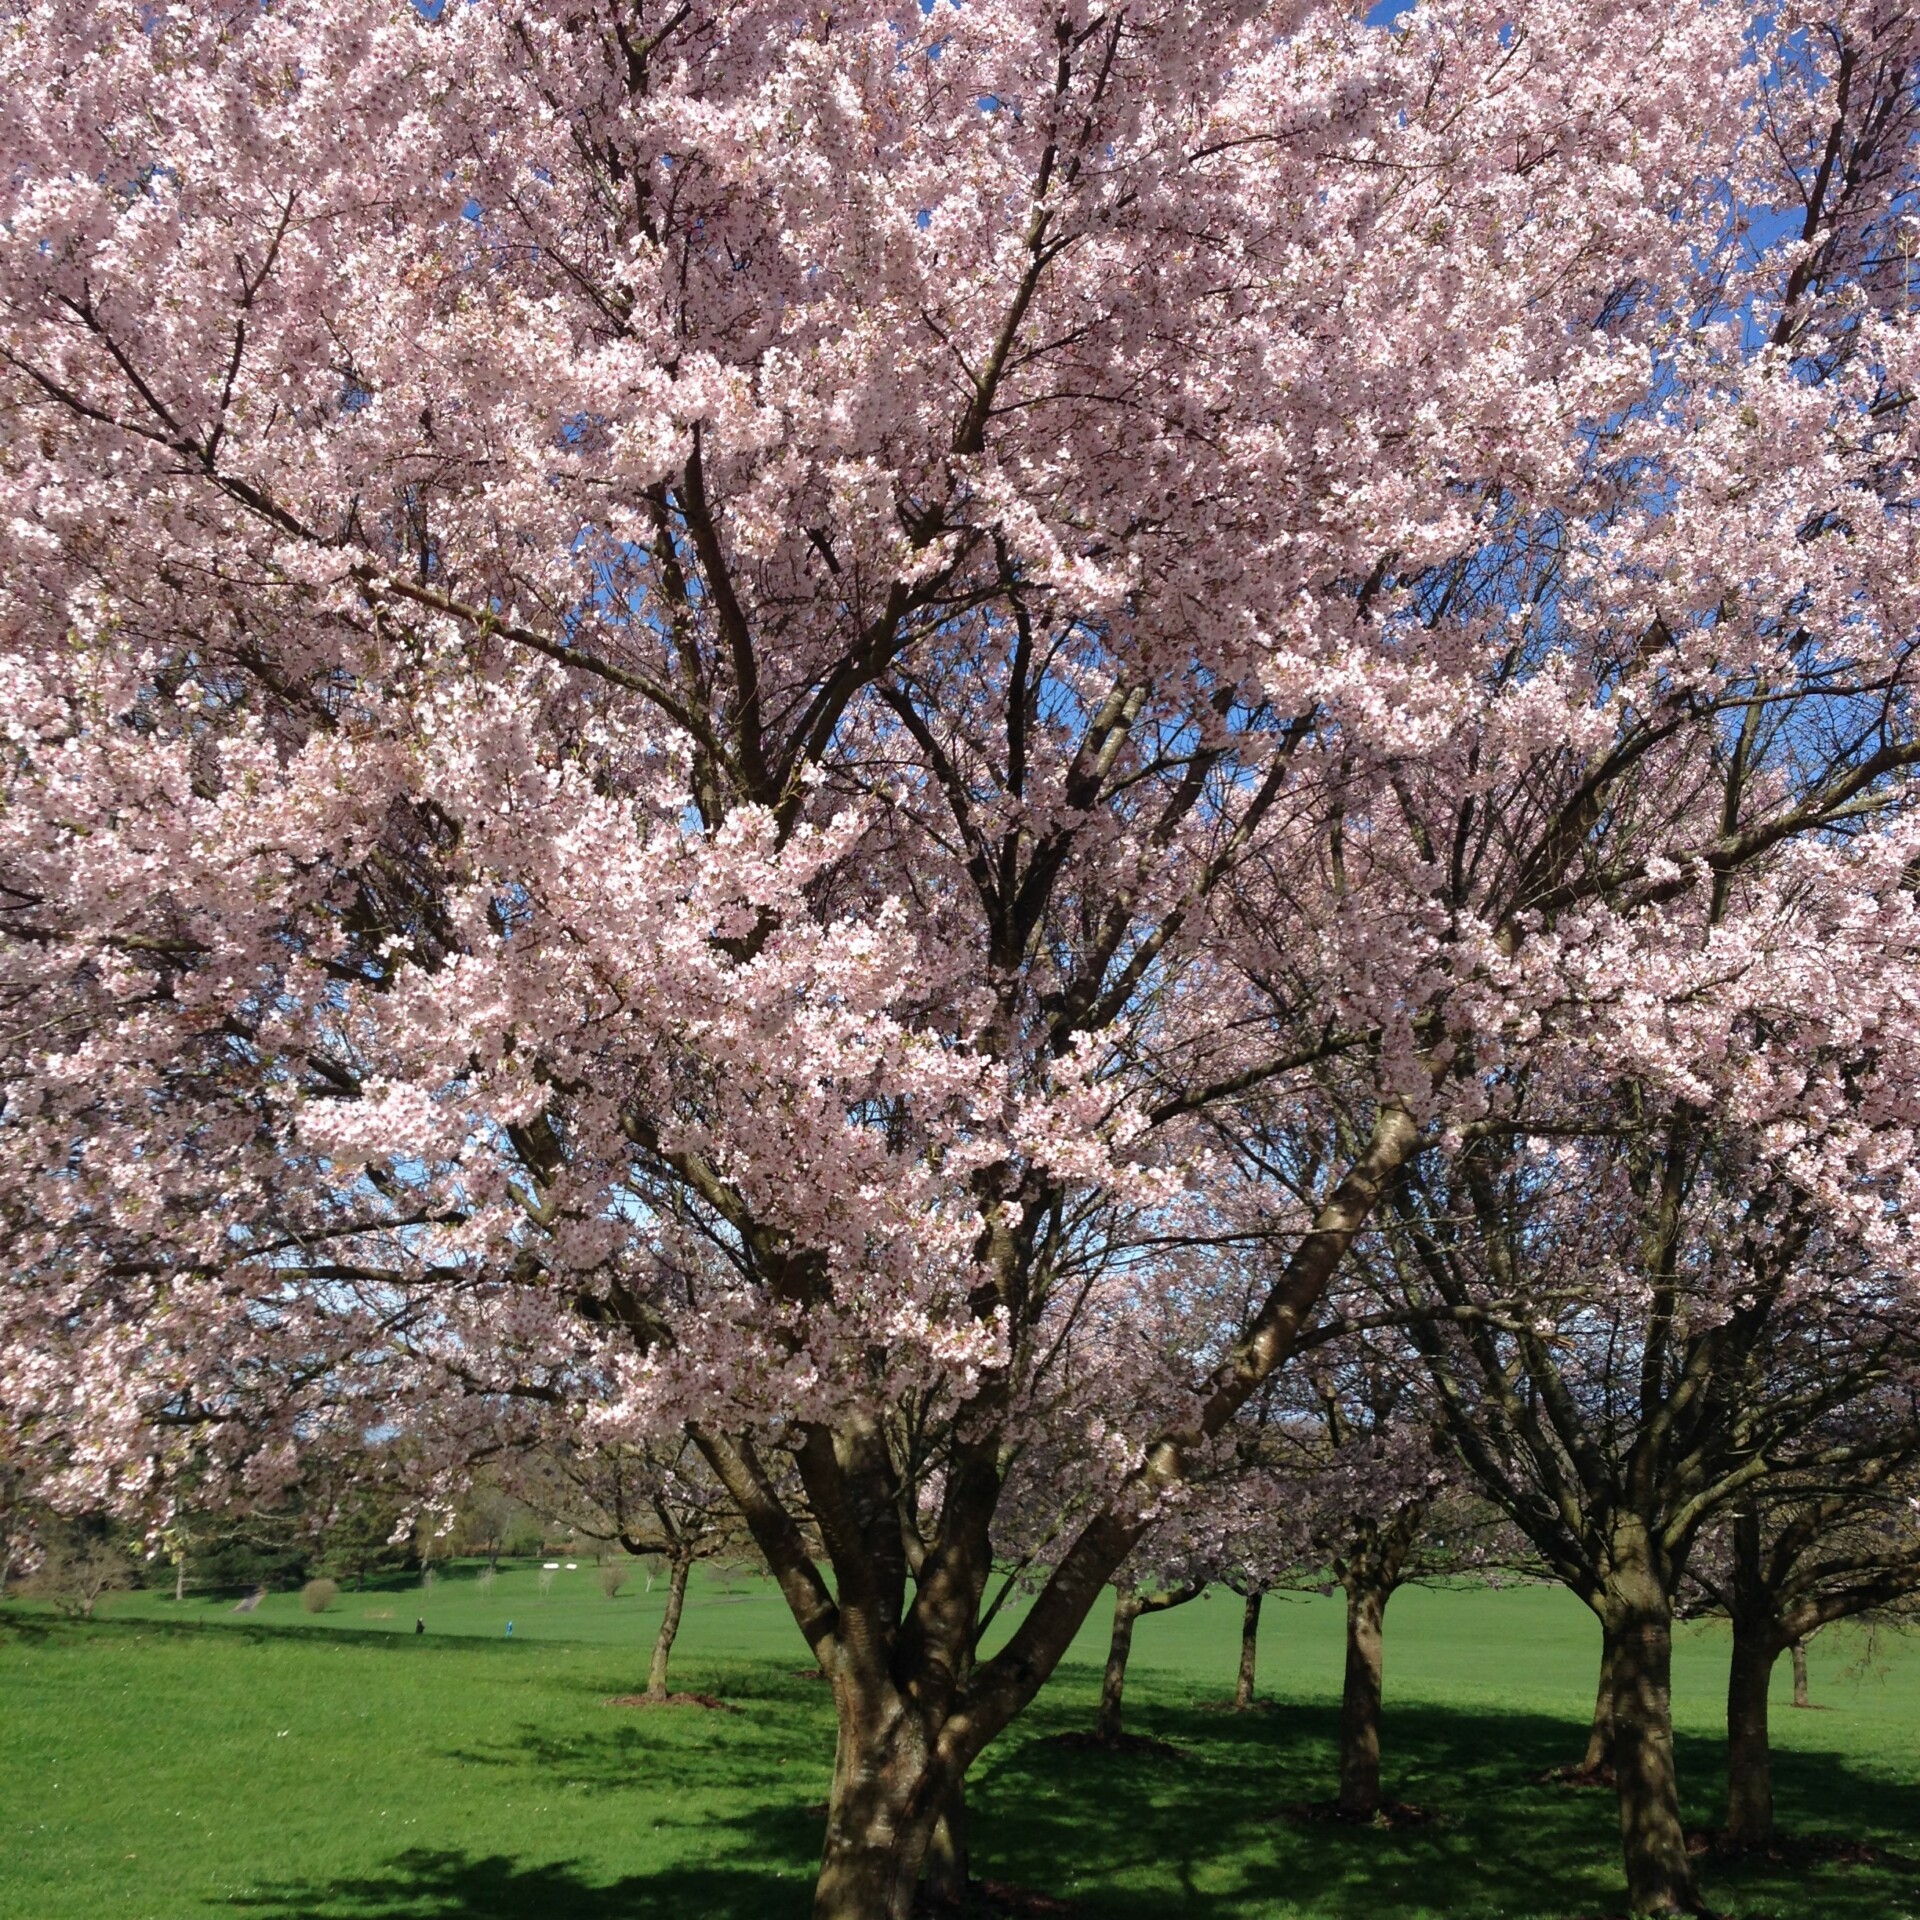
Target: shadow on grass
1201, 1839
1129, 1838
399, 1641
698, 1752
425, 1885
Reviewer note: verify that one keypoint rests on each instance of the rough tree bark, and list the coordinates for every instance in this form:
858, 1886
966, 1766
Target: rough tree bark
948, 1866
1128, 1606
879, 1825
1370, 1570
1758, 1637
1360, 1699
1599, 1753
1639, 1619
1249, 1651
1801, 1697
1749, 1756
681, 1567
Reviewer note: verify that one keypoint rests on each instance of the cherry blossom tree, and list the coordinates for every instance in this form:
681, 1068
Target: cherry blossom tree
656, 1500
19, 1531
1259, 1551
1840, 1545
1231, 1526
1612, 1421
1368, 1499
700, 698
1133, 1599
1373, 1500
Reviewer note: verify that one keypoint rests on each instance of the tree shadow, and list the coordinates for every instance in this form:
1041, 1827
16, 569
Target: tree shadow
1129, 1838
30, 1629
1203, 1839
399, 1642
424, 1884
697, 1751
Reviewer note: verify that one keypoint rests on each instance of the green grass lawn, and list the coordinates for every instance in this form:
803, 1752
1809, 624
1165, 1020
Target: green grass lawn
174, 1761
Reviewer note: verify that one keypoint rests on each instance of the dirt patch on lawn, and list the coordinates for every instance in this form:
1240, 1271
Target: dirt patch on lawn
707, 1700
1582, 1779
1392, 1816
1803, 1850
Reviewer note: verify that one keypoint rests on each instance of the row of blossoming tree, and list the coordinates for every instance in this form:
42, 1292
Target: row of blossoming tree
863, 732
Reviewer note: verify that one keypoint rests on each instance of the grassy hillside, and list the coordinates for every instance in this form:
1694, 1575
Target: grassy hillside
175, 1761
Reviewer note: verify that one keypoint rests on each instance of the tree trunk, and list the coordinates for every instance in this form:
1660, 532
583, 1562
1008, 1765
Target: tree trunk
882, 1814
1749, 1761
947, 1863
1126, 1610
180, 1576
1249, 1647
1360, 1702
669, 1627
1599, 1753
1653, 1841
1801, 1698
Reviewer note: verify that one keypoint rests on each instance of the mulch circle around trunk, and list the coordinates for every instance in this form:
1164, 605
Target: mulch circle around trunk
1133, 1746
1392, 1816
1582, 1779
809, 1673
1803, 1850
1000, 1900
1698, 1913
707, 1700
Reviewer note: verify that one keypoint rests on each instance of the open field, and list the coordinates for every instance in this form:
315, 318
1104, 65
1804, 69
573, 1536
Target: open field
176, 1761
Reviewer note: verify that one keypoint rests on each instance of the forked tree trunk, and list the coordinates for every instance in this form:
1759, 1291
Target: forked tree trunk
1360, 1700
910, 1724
1129, 1603
1653, 1841
1127, 1608
669, 1627
1249, 1649
1599, 1753
1749, 1758
1801, 1697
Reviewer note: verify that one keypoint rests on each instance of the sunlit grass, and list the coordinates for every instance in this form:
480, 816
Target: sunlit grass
175, 1761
